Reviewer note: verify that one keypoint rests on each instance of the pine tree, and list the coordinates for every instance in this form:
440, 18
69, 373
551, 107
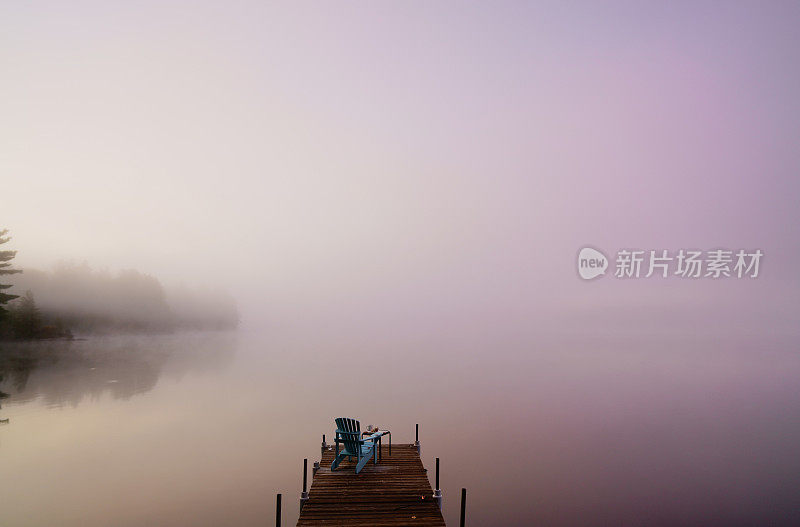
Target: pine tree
5, 264
26, 319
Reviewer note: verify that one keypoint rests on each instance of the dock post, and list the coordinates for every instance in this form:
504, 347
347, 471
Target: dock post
416, 440
437, 493
324, 446
278, 512
463, 506
304, 495
315, 469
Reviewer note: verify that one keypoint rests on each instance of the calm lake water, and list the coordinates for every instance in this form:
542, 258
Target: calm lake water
205, 428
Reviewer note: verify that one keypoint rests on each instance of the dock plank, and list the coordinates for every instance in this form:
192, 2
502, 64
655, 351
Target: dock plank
394, 492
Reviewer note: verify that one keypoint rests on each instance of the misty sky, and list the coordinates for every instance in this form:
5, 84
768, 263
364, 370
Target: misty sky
416, 162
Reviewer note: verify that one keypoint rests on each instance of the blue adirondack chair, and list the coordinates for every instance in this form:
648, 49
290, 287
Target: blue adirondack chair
348, 434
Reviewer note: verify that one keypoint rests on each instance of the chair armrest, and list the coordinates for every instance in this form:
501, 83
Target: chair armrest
354, 436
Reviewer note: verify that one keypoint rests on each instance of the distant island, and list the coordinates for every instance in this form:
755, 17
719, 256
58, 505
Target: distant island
74, 299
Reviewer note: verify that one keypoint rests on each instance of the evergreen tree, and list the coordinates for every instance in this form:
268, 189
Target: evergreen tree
5, 264
26, 318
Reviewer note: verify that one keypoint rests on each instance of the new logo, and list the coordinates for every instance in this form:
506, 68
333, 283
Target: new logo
591, 263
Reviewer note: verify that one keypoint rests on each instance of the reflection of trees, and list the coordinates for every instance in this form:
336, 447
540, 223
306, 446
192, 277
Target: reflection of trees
66, 372
16, 370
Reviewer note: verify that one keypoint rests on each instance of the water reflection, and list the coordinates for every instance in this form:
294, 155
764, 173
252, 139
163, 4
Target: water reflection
66, 373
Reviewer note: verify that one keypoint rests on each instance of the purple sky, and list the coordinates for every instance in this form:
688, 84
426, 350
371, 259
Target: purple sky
420, 164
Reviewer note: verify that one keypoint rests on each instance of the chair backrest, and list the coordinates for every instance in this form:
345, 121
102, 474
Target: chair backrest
350, 434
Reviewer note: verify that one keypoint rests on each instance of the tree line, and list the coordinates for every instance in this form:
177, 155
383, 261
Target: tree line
75, 298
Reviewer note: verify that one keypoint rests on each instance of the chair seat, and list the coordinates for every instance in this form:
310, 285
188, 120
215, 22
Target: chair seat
366, 449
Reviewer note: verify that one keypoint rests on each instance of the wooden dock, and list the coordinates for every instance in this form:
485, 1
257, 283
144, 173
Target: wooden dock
394, 492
